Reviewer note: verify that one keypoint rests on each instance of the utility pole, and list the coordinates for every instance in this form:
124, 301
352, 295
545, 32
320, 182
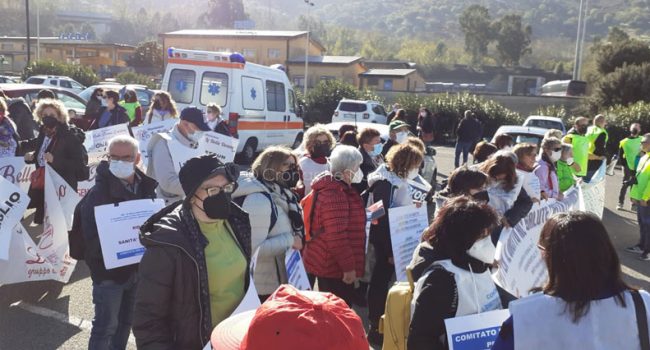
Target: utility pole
585, 18
309, 5
576, 62
38, 30
29, 39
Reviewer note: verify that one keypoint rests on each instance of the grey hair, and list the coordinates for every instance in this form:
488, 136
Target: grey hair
345, 158
125, 140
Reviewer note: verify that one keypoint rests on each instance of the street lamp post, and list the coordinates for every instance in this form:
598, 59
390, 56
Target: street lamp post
309, 5
29, 54
580, 38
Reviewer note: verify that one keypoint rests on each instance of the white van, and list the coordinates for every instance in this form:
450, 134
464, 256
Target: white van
257, 101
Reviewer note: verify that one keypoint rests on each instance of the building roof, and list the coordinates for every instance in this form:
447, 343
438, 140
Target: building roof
327, 59
231, 32
388, 72
374, 64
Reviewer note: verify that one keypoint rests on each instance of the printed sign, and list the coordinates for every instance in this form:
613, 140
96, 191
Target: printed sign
475, 332
419, 188
181, 153
13, 203
143, 134
296, 272
406, 226
224, 147
96, 141
118, 226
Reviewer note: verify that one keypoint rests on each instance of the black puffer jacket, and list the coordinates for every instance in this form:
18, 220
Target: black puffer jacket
172, 308
20, 113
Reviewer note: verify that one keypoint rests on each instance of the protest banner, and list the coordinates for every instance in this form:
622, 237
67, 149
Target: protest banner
14, 170
475, 332
296, 273
520, 262
224, 147
96, 141
181, 153
118, 226
592, 194
406, 226
13, 203
143, 134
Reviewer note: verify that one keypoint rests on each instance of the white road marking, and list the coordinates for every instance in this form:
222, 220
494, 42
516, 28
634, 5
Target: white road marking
63, 318
634, 274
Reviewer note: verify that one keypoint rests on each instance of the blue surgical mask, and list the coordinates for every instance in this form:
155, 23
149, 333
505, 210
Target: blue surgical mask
376, 150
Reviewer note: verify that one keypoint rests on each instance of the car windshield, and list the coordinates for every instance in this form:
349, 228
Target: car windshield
527, 138
545, 124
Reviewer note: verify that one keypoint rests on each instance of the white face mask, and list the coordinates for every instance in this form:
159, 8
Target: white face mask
358, 177
401, 137
195, 136
412, 174
483, 250
569, 161
507, 148
555, 156
104, 103
121, 169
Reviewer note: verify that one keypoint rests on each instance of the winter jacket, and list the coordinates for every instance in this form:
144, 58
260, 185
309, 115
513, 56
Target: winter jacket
394, 192
161, 165
547, 175
270, 270
469, 130
66, 148
108, 189
118, 116
600, 149
21, 114
172, 306
339, 230
368, 166
93, 108
513, 205
220, 127
9, 138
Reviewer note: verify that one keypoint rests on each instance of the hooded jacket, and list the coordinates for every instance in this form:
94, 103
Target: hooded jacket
108, 189
270, 270
339, 230
161, 164
172, 306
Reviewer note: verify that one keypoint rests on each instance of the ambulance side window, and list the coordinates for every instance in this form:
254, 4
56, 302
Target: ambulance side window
276, 99
181, 85
214, 88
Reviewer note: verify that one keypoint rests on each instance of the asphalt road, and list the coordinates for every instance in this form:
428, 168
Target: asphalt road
50, 315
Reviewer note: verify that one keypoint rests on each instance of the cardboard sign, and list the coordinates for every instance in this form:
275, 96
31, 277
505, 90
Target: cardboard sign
224, 147
475, 332
118, 226
143, 134
406, 226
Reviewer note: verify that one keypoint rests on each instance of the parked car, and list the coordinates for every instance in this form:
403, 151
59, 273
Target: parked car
521, 134
143, 93
544, 122
430, 169
5, 79
61, 82
359, 111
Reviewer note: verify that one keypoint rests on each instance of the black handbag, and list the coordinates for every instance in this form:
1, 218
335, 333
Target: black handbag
641, 319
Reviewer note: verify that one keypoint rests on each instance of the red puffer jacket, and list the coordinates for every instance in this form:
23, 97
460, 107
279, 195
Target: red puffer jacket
339, 234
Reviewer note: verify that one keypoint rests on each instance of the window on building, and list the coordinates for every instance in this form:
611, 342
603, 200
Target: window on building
250, 53
223, 49
276, 99
214, 88
181, 85
327, 77
8, 46
274, 53
68, 52
373, 81
299, 80
388, 84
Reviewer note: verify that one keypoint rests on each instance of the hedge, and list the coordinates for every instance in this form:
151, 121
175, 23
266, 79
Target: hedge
82, 74
322, 100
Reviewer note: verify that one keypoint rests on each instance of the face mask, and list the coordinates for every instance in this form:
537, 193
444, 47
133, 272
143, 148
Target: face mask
482, 196
483, 250
582, 129
121, 169
358, 177
195, 136
412, 174
401, 137
555, 156
50, 122
376, 150
507, 148
290, 178
321, 150
217, 207
569, 161
423, 114
104, 103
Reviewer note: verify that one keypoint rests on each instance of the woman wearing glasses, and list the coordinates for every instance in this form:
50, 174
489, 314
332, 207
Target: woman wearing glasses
194, 272
275, 214
546, 169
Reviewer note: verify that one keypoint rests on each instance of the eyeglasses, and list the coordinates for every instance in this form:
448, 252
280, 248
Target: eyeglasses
557, 149
213, 191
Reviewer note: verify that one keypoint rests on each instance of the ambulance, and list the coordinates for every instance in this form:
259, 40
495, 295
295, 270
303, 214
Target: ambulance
258, 102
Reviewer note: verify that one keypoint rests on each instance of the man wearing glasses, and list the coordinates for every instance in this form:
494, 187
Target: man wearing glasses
640, 195
118, 180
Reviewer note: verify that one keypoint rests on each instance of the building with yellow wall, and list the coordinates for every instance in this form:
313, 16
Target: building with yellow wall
345, 68
406, 80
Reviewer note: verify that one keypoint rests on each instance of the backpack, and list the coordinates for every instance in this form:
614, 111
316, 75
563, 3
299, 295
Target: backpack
308, 205
76, 239
83, 172
274, 208
395, 322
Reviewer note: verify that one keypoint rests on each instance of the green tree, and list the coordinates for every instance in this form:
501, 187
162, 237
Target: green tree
82, 74
475, 22
513, 40
613, 55
617, 34
224, 13
147, 54
135, 78
624, 86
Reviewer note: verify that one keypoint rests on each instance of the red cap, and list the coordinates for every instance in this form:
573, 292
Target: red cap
292, 319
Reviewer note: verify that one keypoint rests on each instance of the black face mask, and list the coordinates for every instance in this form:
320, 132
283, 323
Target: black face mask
321, 150
482, 196
217, 207
635, 132
50, 122
290, 178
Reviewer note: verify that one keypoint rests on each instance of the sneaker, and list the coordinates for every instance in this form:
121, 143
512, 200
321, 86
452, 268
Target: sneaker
645, 257
633, 207
634, 249
619, 206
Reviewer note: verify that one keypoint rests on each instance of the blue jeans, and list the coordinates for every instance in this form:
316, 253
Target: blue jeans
114, 305
462, 147
643, 217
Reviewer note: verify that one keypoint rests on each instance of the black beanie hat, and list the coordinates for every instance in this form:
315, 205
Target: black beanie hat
198, 169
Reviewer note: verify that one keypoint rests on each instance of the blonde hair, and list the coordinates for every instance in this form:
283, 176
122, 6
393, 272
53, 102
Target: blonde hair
312, 134
214, 108
402, 158
553, 133
3, 107
268, 163
416, 142
62, 113
171, 105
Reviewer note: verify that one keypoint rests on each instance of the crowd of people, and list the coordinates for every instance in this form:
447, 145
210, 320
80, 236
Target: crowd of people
197, 265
